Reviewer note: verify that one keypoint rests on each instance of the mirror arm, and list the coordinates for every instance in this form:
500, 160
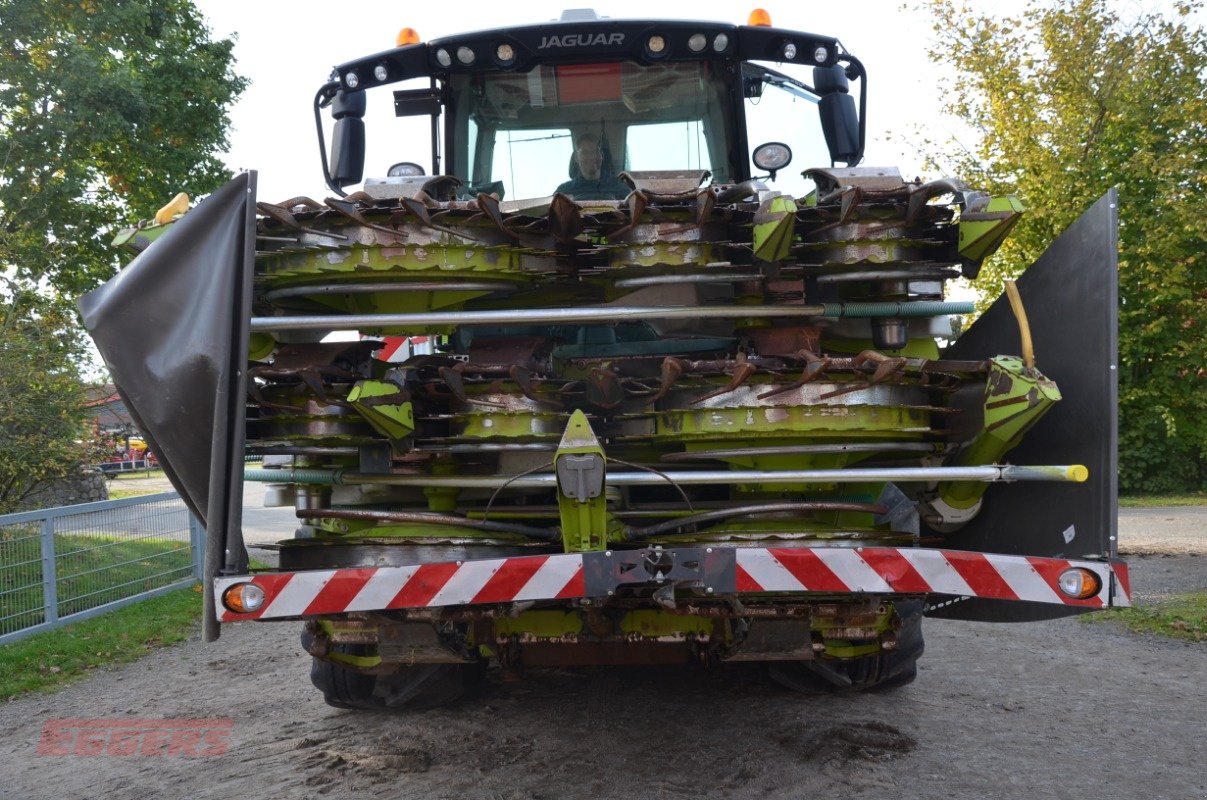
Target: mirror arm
857, 66
321, 100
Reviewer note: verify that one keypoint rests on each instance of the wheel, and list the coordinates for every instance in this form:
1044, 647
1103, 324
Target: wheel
415, 688
889, 669
343, 687
425, 686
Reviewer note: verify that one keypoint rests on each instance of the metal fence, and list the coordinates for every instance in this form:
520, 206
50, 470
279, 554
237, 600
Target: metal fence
61, 565
136, 465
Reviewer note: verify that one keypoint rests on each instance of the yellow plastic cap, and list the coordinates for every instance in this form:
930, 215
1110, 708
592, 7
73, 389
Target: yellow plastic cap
1078, 473
760, 18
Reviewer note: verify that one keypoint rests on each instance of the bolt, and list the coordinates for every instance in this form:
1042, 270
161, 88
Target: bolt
610, 593
709, 590
708, 550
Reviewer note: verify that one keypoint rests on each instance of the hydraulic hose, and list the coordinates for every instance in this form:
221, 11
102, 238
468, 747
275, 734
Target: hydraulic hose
1024, 328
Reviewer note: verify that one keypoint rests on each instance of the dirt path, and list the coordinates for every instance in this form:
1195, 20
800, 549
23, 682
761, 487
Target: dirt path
1163, 530
1042, 710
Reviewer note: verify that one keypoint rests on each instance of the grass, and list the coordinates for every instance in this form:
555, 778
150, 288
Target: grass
92, 571
120, 493
1151, 500
134, 477
47, 661
1180, 617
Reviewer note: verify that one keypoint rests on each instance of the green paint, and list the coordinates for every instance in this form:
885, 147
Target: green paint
260, 346
979, 238
584, 521
774, 228
1015, 399
854, 422
655, 623
395, 421
543, 624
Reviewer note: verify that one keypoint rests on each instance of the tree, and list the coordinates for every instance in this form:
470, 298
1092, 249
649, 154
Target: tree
107, 110
1066, 101
42, 414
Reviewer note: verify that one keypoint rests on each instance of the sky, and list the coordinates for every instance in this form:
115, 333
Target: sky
287, 50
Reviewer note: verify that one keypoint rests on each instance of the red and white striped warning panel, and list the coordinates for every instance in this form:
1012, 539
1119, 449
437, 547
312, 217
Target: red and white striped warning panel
746, 570
396, 349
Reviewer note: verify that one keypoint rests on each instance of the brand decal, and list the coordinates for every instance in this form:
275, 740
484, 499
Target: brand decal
581, 40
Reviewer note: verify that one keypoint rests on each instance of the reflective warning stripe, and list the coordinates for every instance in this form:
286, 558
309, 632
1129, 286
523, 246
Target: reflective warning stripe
757, 570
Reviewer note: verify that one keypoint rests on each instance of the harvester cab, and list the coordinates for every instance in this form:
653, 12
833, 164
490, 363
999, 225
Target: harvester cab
507, 108
693, 394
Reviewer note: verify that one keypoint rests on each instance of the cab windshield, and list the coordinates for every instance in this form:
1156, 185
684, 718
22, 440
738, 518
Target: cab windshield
574, 128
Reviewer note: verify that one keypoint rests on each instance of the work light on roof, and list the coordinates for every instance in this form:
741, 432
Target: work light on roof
820, 55
465, 55
380, 72
720, 43
352, 80
697, 42
505, 53
443, 58
655, 44
789, 51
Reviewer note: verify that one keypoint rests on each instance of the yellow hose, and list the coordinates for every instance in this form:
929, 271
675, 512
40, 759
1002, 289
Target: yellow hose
177, 205
1024, 329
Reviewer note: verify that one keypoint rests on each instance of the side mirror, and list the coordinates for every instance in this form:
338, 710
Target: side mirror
839, 119
348, 138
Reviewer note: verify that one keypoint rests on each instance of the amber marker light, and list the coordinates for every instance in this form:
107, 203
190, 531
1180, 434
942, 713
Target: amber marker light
759, 18
1080, 583
243, 598
406, 36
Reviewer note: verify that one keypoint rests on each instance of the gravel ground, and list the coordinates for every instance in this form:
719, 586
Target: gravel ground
1053, 709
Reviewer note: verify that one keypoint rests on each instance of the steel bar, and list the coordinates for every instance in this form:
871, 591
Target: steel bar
750, 510
701, 277
386, 288
859, 447
427, 518
889, 275
990, 474
599, 314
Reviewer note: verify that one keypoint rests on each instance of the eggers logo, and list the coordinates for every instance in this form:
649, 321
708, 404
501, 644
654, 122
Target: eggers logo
174, 738
581, 40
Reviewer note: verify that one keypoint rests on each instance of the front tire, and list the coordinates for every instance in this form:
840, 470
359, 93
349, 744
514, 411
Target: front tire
887, 670
412, 688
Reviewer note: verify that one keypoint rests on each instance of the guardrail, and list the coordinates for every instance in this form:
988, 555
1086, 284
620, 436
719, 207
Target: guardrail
137, 465
61, 565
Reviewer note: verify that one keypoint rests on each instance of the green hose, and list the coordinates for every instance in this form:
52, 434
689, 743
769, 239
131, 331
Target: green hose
314, 477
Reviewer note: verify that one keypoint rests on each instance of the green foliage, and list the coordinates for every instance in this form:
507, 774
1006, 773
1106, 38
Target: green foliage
1183, 616
1162, 500
1065, 101
107, 110
46, 661
43, 434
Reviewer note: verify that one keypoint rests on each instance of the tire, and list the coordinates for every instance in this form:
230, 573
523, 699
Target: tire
887, 670
342, 687
425, 686
414, 688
